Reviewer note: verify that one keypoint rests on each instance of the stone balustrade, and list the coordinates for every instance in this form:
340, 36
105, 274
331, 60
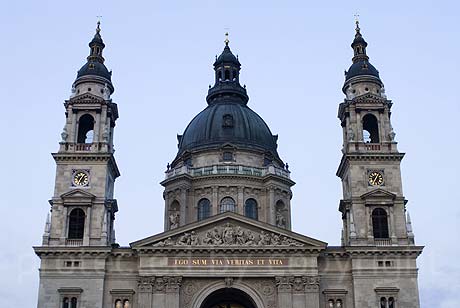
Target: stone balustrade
227, 169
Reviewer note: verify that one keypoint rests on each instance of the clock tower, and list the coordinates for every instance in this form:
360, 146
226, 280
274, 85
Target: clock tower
82, 208
373, 206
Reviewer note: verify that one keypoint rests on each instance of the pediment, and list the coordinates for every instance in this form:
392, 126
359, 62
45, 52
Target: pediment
378, 194
228, 230
77, 196
86, 98
369, 97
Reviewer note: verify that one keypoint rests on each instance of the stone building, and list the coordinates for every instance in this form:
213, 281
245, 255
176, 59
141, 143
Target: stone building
228, 239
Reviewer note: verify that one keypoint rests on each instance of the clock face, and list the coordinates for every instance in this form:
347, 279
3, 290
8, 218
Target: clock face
80, 178
375, 178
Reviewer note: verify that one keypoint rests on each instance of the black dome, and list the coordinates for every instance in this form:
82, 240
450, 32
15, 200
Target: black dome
227, 122
94, 68
361, 68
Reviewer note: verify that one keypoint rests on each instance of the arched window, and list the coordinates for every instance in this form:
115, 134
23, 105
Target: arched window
227, 75
391, 302
76, 224
250, 209
383, 302
219, 75
380, 223
65, 302
204, 209
227, 204
85, 129
73, 302
370, 129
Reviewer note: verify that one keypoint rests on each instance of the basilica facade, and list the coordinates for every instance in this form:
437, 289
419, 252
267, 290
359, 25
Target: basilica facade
228, 239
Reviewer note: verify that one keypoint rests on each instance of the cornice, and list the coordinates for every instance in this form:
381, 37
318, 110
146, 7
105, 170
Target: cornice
82, 251
264, 179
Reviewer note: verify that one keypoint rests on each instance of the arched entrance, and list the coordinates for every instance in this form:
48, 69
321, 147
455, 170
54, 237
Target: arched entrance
228, 298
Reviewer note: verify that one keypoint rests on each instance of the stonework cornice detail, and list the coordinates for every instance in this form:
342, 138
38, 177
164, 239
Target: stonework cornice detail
298, 284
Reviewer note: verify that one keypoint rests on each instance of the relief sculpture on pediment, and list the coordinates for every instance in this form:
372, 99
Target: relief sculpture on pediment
229, 235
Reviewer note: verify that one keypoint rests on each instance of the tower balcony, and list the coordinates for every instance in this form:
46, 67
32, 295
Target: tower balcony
95, 147
228, 170
362, 147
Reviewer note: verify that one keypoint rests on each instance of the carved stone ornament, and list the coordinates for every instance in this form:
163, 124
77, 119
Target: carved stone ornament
159, 284
229, 235
297, 283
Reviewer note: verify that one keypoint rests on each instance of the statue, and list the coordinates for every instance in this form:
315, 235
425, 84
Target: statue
106, 94
64, 134
217, 238
228, 235
118, 304
251, 239
351, 134
194, 240
184, 240
208, 238
350, 93
264, 238
73, 91
391, 134
382, 93
280, 220
240, 238
287, 166
174, 220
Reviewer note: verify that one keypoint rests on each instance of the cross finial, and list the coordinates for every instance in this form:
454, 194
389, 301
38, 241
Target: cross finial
357, 22
98, 29
226, 39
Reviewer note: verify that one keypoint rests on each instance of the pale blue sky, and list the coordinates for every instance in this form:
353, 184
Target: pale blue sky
293, 55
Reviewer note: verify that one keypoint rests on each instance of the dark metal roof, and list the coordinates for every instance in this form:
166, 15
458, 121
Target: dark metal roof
361, 68
231, 122
95, 68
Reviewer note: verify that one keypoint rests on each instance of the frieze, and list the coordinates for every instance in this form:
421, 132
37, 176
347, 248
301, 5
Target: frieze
229, 235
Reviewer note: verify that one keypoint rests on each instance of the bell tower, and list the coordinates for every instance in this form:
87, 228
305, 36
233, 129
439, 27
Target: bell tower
373, 206
82, 207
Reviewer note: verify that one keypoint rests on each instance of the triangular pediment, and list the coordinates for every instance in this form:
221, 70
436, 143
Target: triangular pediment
228, 230
77, 194
369, 97
86, 98
378, 194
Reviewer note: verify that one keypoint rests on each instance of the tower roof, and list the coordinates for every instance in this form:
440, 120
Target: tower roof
94, 67
361, 65
227, 119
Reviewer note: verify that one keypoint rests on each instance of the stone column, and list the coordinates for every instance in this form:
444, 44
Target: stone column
311, 291
144, 288
172, 295
271, 200
298, 292
240, 200
284, 286
97, 127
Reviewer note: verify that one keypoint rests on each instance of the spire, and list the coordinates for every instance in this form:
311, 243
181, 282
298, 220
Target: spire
96, 46
227, 76
94, 68
359, 45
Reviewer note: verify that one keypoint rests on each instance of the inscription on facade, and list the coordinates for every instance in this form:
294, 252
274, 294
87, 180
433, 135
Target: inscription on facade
227, 262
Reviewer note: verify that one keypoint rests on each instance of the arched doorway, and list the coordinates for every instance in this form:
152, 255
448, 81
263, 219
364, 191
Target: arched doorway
228, 298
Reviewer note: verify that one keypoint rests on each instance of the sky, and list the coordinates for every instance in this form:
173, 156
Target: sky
293, 56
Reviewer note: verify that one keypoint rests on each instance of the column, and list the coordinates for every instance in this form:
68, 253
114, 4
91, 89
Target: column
214, 201
240, 201
271, 201
311, 291
172, 295
284, 286
97, 127
145, 292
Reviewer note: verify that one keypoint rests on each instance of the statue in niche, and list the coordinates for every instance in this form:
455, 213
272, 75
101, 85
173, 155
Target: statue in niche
118, 304
228, 235
73, 91
174, 220
126, 305
391, 134
280, 219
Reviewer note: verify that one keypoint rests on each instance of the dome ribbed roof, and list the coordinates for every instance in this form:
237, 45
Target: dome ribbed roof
227, 122
361, 68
